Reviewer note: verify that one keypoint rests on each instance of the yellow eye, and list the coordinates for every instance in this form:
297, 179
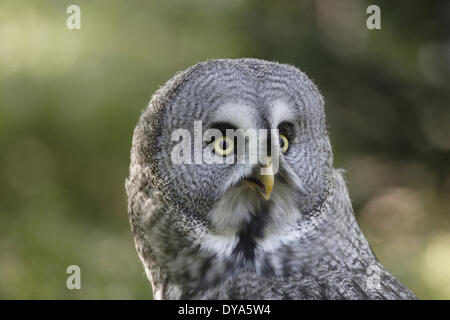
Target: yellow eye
284, 143
223, 146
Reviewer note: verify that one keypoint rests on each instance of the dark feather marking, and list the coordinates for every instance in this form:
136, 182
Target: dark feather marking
250, 232
361, 293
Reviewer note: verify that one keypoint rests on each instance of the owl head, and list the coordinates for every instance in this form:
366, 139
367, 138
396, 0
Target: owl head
192, 145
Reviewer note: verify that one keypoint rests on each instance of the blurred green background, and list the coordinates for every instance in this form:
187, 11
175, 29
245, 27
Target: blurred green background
69, 100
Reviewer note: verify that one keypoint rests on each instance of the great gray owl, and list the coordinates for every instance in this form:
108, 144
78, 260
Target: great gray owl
228, 230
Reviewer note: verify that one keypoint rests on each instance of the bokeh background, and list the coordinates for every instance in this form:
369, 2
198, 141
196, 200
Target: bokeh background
69, 100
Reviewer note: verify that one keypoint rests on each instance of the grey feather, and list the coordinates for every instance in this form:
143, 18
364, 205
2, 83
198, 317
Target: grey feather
201, 234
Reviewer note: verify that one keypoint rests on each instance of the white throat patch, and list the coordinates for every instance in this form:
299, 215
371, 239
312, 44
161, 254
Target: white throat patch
236, 208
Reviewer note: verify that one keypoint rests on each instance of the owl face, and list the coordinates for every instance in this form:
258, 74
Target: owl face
234, 96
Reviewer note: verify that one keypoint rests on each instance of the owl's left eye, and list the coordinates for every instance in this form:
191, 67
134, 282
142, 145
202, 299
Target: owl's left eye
284, 143
223, 146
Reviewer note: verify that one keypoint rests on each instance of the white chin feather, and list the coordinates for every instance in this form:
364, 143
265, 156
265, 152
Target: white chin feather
240, 202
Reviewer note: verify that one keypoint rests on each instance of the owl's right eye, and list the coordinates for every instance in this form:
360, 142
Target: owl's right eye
223, 146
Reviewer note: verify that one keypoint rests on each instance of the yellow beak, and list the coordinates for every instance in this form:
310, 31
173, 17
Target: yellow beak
265, 180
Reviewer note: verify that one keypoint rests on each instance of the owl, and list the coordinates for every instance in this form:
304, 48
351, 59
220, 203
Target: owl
210, 223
